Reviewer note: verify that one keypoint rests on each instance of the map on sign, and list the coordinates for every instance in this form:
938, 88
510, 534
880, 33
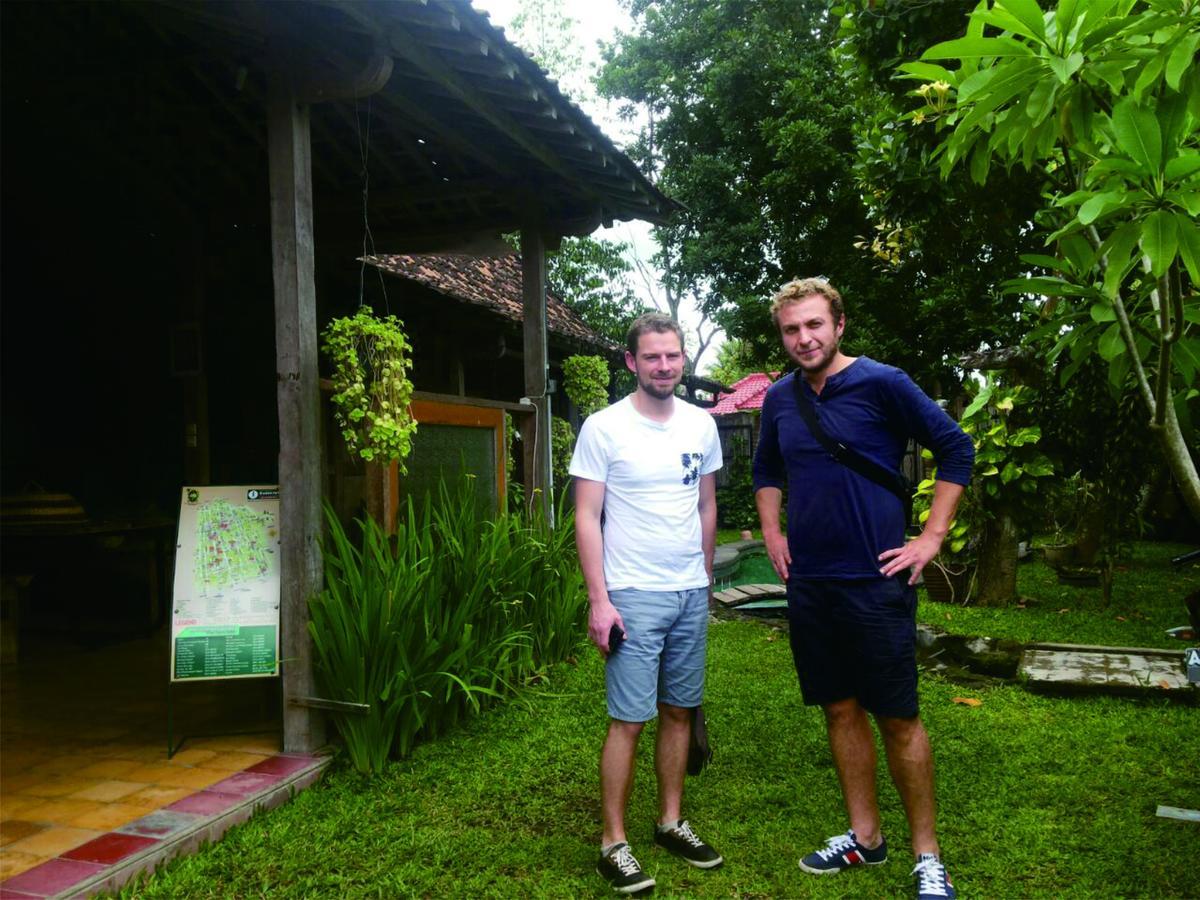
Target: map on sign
234, 545
225, 610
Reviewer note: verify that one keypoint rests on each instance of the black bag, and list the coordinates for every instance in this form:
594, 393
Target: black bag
851, 458
699, 749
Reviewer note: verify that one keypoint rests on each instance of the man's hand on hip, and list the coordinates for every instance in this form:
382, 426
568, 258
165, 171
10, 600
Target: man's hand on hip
915, 555
778, 553
601, 619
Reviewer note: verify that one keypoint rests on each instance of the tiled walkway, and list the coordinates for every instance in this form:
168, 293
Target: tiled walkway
85, 782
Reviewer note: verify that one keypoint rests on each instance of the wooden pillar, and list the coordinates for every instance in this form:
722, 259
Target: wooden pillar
289, 149
535, 430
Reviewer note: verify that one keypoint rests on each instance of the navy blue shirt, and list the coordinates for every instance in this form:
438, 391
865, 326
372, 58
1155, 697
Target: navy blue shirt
838, 522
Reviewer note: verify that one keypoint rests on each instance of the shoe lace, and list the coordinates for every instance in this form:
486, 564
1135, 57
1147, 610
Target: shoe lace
684, 830
623, 859
836, 844
932, 875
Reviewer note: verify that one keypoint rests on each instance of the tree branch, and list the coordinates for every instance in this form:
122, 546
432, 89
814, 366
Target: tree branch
1126, 331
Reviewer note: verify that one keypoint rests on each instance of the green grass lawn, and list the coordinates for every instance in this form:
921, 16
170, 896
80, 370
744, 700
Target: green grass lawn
1040, 797
1147, 599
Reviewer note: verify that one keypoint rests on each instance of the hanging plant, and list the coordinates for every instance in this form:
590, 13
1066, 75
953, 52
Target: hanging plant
585, 379
371, 387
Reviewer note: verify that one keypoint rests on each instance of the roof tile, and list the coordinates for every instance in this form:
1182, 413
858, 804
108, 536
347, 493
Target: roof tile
493, 284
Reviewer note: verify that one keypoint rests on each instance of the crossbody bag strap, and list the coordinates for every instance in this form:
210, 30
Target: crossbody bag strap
848, 456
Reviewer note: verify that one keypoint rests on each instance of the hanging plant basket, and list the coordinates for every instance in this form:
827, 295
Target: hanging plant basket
372, 392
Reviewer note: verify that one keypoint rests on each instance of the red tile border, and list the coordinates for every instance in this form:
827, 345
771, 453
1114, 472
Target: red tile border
205, 803
105, 863
244, 783
110, 848
282, 765
53, 877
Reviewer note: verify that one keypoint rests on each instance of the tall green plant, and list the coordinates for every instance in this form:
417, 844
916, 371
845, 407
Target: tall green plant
450, 614
1103, 98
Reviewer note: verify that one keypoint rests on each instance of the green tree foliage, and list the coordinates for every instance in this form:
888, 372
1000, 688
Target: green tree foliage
754, 125
592, 276
1102, 98
737, 358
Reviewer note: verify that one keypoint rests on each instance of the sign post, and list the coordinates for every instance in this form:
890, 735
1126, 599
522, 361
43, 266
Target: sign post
225, 604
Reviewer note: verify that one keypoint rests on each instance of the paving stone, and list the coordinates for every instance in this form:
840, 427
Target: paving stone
1119, 670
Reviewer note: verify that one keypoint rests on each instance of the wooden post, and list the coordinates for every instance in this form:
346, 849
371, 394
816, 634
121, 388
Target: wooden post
289, 150
535, 430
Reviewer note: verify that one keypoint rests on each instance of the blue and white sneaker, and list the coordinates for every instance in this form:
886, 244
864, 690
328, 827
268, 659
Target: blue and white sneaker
841, 852
932, 881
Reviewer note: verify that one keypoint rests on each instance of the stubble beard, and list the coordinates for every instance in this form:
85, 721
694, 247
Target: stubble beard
658, 393
823, 362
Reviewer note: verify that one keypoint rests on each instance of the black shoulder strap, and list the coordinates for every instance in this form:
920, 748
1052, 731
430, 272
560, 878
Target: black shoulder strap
848, 456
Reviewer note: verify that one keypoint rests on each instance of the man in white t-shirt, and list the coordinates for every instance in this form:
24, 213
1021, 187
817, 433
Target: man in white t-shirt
645, 525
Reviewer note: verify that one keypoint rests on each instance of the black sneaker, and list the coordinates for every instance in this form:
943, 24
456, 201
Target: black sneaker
841, 852
622, 871
680, 840
932, 881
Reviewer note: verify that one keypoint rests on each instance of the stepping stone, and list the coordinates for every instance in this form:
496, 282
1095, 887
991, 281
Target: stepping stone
1122, 670
731, 597
764, 590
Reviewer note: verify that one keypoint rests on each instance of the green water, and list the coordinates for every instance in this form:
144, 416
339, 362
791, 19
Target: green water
756, 569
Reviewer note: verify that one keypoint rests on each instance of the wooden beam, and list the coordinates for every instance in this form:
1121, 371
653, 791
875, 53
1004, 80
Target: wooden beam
290, 173
450, 135
535, 433
427, 60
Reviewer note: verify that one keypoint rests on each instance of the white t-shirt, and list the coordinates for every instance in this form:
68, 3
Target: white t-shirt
651, 473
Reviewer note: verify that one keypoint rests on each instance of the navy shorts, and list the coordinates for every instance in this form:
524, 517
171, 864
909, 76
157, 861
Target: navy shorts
856, 638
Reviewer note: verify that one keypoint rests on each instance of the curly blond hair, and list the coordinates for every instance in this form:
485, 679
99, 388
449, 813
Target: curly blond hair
799, 288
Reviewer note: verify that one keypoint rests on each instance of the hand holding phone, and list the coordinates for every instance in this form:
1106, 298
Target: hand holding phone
615, 638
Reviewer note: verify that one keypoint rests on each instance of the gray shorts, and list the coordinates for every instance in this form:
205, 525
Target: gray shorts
662, 658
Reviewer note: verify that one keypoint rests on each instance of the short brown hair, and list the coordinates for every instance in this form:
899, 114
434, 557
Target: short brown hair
799, 288
656, 322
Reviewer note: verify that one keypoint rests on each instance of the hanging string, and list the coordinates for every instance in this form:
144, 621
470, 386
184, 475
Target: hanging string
368, 242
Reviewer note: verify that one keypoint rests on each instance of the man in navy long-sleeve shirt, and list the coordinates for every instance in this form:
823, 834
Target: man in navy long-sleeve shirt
848, 569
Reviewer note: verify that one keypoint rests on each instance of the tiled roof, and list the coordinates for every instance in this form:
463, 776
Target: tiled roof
493, 283
747, 394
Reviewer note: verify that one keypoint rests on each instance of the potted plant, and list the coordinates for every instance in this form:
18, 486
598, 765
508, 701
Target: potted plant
372, 391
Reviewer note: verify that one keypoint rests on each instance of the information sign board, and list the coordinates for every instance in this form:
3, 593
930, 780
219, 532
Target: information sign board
225, 607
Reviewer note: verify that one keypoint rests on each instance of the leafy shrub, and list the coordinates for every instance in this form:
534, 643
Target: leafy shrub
450, 614
585, 379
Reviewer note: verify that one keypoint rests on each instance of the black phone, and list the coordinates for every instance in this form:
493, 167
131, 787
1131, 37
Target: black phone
615, 638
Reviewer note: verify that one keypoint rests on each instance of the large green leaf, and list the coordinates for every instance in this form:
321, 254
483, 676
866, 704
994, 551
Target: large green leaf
1136, 130
1064, 68
1188, 236
1159, 240
1101, 204
927, 71
977, 48
1041, 100
1027, 12
1189, 200
1110, 344
1181, 57
1103, 312
1182, 166
1118, 250
1065, 17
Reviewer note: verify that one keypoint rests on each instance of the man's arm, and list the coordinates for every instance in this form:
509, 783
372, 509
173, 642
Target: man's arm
769, 501
769, 479
589, 541
708, 520
917, 553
